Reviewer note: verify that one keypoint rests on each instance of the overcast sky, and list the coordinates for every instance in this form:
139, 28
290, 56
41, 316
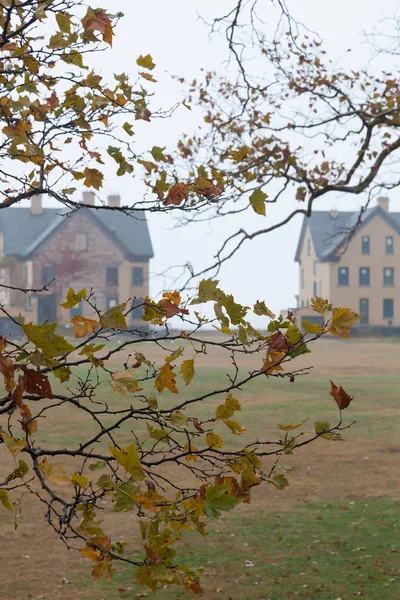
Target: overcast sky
179, 43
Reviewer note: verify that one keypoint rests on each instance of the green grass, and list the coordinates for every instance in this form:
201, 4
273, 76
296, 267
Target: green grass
321, 550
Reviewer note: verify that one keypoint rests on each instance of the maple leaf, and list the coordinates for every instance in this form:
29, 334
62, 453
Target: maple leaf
54, 473
124, 381
257, 201
83, 326
98, 20
341, 397
114, 318
343, 320
73, 298
14, 445
177, 194
7, 369
166, 379
214, 441
146, 62
93, 178
187, 370
5, 500
226, 410
33, 382
278, 342
129, 459
43, 337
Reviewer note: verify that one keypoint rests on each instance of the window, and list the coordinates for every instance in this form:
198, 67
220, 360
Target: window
28, 274
4, 291
112, 275
302, 279
364, 311
112, 301
28, 301
48, 274
76, 310
388, 276
365, 244
137, 308
364, 276
315, 291
302, 304
308, 247
315, 267
137, 276
389, 244
343, 276
388, 308
80, 243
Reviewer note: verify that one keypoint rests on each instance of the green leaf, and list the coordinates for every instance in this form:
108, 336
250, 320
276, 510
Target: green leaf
114, 318
261, 309
43, 337
158, 154
100, 464
146, 62
129, 459
312, 328
5, 500
124, 497
279, 481
175, 354
257, 201
218, 500
63, 21
73, 298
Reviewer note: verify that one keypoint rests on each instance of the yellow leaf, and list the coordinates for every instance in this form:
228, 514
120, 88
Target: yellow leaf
214, 441
54, 473
166, 379
114, 318
83, 326
73, 298
146, 62
226, 410
343, 320
129, 459
291, 427
124, 381
93, 178
312, 328
187, 370
79, 480
15, 446
4, 500
234, 426
320, 305
175, 297
191, 457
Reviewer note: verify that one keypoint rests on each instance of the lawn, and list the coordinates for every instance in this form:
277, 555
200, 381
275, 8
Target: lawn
332, 534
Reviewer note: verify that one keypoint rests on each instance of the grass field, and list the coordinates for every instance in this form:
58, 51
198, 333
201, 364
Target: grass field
334, 533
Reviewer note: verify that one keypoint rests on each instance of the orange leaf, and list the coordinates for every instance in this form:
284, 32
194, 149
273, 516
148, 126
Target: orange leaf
341, 397
33, 382
176, 194
166, 379
83, 326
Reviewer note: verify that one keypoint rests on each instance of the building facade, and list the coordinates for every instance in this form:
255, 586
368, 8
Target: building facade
353, 261
105, 251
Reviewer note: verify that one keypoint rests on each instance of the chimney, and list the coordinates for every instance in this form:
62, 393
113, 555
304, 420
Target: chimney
334, 213
36, 204
88, 198
383, 203
114, 200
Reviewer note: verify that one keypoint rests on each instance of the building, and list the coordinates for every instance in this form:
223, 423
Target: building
100, 250
353, 262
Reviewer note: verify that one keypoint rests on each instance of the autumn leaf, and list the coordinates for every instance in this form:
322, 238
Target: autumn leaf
312, 328
73, 298
7, 369
146, 62
257, 201
93, 178
43, 337
226, 410
98, 20
177, 194
187, 370
33, 382
54, 473
171, 309
343, 320
234, 426
125, 381
166, 379
260, 308
320, 305
14, 445
279, 481
341, 397
214, 441
291, 427
114, 318
278, 343
83, 326
129, 459
5, 500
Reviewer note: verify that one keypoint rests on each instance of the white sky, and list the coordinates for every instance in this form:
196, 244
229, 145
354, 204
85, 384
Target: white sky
179, 43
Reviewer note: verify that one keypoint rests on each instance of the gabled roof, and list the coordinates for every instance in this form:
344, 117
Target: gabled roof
23, 232
329, 233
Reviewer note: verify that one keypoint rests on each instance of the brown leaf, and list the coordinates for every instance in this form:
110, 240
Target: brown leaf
341, 397
176, 194
33, 382
277, 342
